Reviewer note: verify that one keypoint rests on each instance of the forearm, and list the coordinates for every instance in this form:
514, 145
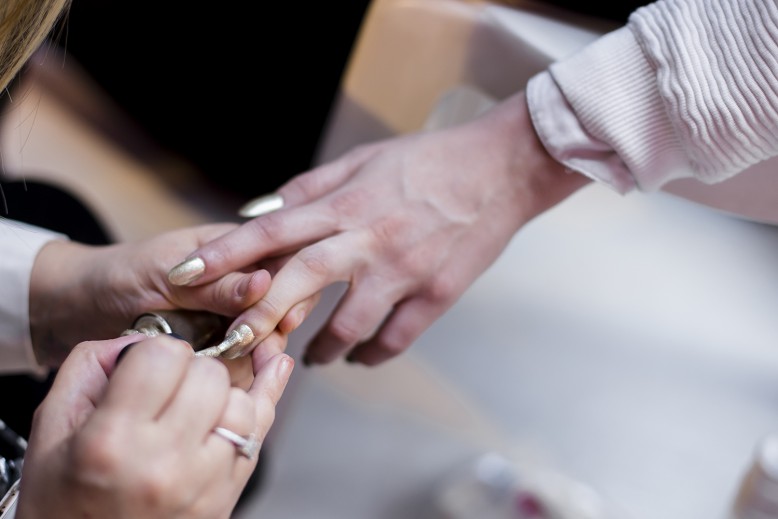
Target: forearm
61, 299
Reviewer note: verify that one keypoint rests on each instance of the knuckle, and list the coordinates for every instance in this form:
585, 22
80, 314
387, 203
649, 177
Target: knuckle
386, 231
345, 331
212, 370
315, 261
158, 483
393, 344
303, 186
270, 309
351, 202
441, 290
96, 453
268, 228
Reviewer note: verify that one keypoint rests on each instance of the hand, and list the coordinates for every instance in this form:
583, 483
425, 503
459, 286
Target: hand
80, 292
409, 223
137, 441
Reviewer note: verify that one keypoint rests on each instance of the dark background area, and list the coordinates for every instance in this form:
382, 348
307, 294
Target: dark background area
241, 91
241, 95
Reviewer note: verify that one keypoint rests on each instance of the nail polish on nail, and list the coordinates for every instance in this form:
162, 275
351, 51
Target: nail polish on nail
262, 205
235, 344
186, 271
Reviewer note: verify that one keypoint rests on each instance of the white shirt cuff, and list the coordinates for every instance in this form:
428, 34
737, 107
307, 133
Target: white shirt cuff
19, 245
599, 112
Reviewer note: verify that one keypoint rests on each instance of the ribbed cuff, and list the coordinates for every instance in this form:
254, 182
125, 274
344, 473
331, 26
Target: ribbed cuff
611, 88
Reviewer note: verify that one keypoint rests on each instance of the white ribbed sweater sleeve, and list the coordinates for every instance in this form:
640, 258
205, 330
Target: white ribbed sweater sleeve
19, 245
688, 88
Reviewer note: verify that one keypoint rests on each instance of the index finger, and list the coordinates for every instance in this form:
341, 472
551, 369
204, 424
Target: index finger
144, 382
301, 220
85, 372
265, 236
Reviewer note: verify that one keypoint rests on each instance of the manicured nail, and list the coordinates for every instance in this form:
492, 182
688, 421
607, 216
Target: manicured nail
233, 346
262, 205
187, 271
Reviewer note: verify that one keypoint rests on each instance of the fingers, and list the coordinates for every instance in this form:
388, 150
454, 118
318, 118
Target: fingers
79, 385
239, 416
268, 387
229, 295
299, 313
145, 380
322, 180
401, 329
90, 360
273, 234
357, 316
299, 222
304, 276
204, 387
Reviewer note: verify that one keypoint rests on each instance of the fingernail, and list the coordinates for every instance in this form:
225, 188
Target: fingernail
243, 287
187, 271
285, 369
233, 346
262, 205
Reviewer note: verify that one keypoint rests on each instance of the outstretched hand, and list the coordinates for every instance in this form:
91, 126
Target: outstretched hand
408, 223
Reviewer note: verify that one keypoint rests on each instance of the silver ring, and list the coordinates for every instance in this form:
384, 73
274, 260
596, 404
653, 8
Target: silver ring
247, 446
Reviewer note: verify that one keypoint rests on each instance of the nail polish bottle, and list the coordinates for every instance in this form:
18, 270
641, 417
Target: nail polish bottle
757, 497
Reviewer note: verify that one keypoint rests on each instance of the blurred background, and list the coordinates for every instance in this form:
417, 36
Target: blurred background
618, 360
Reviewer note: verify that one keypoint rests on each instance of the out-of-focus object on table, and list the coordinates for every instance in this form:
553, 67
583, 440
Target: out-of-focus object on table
758, 494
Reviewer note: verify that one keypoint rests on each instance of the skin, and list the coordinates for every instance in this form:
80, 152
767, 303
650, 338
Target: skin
80, 292
135, 439
409, 223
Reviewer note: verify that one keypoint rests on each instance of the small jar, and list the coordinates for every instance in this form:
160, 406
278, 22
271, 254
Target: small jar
757, 497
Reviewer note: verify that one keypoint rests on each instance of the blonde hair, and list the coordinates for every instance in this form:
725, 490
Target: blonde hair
24, 25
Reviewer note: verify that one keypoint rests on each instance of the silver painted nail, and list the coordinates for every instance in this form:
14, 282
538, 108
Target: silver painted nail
233, 346
186, 272
262, 205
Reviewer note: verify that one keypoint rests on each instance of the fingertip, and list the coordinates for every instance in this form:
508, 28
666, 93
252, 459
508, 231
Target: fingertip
284, 369
253, 286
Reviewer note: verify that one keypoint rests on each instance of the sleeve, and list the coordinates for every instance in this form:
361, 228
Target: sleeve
688, 88
19, 245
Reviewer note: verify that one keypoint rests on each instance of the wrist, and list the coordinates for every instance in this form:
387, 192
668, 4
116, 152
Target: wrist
60, 297
539, 180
